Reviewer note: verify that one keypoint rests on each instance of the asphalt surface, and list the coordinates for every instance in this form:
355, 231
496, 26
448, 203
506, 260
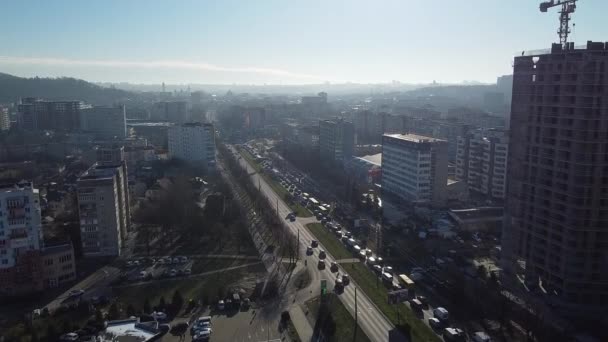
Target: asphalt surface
370, 318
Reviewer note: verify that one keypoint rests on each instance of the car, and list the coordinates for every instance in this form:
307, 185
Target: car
220, 305
423, 300
76, 293
441, 313
176, 260
202, 336
183, 259
454, 334
246, 303
377, 269
321, 264
129, 263
292, 219
187, 271
142, 275
322, 254
345, 279
334, 266
339, 284
417, 270
435, 323
309, 250
161, 261
173, 272
416, 305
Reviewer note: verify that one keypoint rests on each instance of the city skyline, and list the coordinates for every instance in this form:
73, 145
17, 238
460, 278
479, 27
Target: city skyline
278, 43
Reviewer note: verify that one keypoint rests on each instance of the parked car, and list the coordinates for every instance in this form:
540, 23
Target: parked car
220, 305
183, 259
159, 316
441, 313
454, 334
423, 300
308, 250
345, 279
187, 271
321, 264
435, 323
173, 272
333, 267
322, 255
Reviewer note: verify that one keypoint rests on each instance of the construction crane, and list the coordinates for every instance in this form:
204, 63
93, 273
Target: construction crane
568, 7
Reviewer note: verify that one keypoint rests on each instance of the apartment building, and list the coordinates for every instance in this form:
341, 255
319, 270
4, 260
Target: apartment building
414, 168
37, 114
20, 225
103, 204
106, 122
336, 140
481, 162
193, 143
172, 111
556, 231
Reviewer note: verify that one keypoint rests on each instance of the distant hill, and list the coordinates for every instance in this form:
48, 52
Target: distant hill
13, 88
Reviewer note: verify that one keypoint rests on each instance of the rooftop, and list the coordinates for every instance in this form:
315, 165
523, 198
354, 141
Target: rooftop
374, 158
414, 138
129, 330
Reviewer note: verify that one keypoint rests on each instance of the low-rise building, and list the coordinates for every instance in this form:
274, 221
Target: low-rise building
58, 265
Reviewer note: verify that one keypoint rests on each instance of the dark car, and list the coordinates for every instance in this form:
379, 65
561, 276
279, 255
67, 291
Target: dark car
314, 243
321, 265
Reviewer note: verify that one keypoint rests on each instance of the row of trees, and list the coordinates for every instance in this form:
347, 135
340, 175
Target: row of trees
268, 211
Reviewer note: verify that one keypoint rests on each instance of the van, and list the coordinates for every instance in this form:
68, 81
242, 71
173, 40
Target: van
441, 313
387, 277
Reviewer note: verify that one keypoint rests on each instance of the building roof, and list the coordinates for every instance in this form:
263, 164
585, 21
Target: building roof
374, 158
414, 138
47, 250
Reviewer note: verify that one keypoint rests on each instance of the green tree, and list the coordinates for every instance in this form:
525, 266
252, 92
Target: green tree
177, 300
51, 332
113, 312
130, 310
147, 308
98, 317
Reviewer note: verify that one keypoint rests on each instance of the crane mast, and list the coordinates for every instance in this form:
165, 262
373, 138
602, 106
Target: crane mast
568, 7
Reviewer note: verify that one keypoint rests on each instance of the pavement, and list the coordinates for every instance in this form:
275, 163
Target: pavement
371, 319
301, 323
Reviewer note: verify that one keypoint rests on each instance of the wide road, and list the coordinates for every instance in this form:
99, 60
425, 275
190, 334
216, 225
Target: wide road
370, 318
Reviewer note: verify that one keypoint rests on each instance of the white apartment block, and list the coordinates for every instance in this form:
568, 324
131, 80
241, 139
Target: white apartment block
481, 161
414, 168
20, 227
193, 142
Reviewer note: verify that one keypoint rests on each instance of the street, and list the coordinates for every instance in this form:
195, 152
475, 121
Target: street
372, 321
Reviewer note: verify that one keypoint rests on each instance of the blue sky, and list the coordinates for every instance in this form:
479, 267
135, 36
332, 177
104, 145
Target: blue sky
278, 41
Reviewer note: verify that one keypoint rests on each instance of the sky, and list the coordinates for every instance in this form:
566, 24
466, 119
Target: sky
280, 42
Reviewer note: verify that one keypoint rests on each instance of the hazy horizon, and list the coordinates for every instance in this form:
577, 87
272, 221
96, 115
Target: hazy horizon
273, 42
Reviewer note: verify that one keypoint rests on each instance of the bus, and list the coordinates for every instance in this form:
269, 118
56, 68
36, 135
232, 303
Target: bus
406, 281
313, 202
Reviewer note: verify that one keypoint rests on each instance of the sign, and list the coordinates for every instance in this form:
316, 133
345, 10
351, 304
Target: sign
398, 296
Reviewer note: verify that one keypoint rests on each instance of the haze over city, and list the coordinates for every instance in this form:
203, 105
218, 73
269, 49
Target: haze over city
278, 42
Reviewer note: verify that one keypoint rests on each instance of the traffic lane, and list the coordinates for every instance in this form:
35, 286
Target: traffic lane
251, 325
373, 322
98, 280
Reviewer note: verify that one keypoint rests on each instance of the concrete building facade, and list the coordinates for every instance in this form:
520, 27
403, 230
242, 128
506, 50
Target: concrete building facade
103, 204
20, 226
193, 142
481, 161
37, 114
105, 122
414, 168
556, 229
336, 140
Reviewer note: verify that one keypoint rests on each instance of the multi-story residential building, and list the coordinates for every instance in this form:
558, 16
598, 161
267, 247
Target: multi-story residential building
193, 142
105, 122
5, 121
172, 111
37, 114
103, 204
370, 126
415, 168
336, 140
481, 162
20, 227
58, 265
556, 227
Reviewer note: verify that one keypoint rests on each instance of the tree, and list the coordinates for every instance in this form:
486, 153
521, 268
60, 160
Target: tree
161, 303
177, 300
147, 308
130, 310
51, 332
113, 312
99, 317
482, 272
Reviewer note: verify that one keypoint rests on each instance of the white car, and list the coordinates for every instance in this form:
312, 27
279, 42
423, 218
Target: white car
187, 271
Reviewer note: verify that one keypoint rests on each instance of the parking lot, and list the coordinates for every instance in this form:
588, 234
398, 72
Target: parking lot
156, 268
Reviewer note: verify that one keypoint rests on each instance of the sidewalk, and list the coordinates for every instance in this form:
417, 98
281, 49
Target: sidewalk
300, 322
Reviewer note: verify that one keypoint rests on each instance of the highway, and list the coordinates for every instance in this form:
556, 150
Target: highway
371, 320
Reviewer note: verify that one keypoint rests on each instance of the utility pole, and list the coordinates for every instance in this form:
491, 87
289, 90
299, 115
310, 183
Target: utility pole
298, 246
